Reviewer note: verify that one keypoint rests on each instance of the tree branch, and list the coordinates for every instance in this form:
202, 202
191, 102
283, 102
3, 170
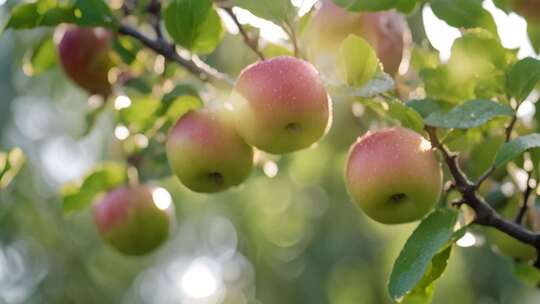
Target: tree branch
168, 50
485, 215
251, 43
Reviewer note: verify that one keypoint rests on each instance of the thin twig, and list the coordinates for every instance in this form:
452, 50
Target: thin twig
154, 8
204, 72
508, 135
525, 203
253, 44
294, 39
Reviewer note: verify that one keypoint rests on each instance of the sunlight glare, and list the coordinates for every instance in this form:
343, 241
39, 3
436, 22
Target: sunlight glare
199, 281
162, 198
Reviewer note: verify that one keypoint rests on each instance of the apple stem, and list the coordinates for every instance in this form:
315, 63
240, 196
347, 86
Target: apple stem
485, 214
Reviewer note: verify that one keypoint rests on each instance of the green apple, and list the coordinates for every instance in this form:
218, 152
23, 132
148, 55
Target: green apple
393, 175
331, 24
206, 153
84, 55
281, 105
131, 221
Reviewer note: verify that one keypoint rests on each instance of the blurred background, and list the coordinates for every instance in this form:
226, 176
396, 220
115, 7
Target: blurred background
288, 235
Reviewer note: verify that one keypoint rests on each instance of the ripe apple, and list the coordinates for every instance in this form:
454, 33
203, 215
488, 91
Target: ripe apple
84, 55
331, 24
131, 221
281, 105
206, 153
393, 175
527, 8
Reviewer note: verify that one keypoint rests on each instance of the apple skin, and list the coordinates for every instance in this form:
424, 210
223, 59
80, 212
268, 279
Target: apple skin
393, 175
206, 152
128, 219
84, 55
281, 105
528, 8
331, 24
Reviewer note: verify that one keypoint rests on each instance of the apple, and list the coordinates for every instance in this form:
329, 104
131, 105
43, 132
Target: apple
527, 8
331, 24
84, 56
393, 175
206, 152
281, 105
131, 221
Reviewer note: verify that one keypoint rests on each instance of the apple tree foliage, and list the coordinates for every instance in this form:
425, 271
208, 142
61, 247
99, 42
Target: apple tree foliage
460, 105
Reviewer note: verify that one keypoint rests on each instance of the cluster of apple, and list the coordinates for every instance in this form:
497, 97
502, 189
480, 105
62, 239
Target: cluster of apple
279, 106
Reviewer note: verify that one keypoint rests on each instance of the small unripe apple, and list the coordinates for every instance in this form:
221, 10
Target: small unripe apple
281, 105
393, 175
131, 221
527, 8
331, 24
206, 153
84, 55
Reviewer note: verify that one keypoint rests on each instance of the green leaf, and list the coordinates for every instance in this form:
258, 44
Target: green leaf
47, 13
516, 147
503, 5
178, 102
42, 58
358, 61
407, 6
523, 77
10, 164
395, 109
440, 84
430, 237
275, 50
426, 107
527, 273
533, 29
126, 48
94, 13
31, 15
179, 90
194, 24
471, 114
102, 178
141, 115
367, 5
379, 84
277, 11
422, 58
181, 105
423, 292
464, 14
140, 85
